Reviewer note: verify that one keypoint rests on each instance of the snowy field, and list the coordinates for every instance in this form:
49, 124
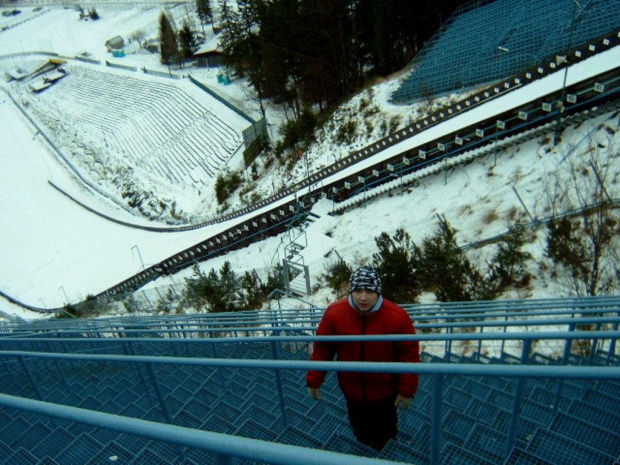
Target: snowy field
53, 251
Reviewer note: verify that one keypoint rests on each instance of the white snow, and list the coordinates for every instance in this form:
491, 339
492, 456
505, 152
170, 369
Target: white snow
53, 251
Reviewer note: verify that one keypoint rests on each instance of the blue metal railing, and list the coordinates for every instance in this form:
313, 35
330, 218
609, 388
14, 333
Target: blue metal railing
222, 445
438, 371
62, 343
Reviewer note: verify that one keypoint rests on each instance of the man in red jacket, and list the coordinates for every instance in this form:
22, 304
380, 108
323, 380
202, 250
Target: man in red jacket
372, 398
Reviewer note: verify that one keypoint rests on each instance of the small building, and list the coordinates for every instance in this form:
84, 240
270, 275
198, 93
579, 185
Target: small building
116, 43
209, 54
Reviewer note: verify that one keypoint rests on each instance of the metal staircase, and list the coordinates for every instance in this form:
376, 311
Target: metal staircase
295, 273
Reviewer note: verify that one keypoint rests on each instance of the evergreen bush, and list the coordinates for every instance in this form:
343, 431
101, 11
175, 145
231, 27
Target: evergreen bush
225, 185
442, 266
394, 263
337, 275
509, 264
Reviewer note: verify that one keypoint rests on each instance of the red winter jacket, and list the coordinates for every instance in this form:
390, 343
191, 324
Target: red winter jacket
342, 319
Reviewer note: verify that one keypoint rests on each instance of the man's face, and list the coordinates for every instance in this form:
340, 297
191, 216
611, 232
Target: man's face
365, 299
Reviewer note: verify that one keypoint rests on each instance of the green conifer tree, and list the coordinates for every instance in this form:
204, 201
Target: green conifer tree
169, 48
187, 41
203, 10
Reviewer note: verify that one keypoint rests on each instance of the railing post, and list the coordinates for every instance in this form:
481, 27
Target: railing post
612, 346
34, 384
59, 369
162, 402
436, 418
516, 408
220, 369
593, 346
501, 354
7, 370
129, 350
558, 392
275, 350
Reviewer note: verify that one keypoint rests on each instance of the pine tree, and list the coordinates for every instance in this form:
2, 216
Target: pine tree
443, 267
509, 263
394, 263
231, 38
203, 10
169, 49
223, 291
187, 41
279, 41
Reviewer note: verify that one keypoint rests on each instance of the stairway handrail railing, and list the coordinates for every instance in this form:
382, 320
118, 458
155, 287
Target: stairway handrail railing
103, 334
294, 456
223, 445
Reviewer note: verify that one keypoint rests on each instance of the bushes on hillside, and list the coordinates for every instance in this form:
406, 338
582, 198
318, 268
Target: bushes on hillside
225, 185
336, 276
439, 265
225, 291
394, 262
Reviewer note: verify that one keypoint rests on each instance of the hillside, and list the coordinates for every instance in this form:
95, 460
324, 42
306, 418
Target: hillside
61, 253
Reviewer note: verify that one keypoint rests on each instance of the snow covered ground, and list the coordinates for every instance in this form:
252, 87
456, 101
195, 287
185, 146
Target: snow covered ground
53, 251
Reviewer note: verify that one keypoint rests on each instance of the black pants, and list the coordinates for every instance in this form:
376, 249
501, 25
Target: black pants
373, 423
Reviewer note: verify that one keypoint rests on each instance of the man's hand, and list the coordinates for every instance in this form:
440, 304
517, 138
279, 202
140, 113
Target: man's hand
315, 393
403, 402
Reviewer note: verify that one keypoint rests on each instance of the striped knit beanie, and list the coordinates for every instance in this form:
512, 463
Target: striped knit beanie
365, 278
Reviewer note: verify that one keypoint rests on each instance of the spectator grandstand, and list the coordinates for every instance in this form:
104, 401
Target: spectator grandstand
488, 40
152, 124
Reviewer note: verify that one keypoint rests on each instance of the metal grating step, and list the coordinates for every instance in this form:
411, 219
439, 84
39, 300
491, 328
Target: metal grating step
608, 387
525, 427
587, 433
328, 424
254, 429
111, 453
225, 410
399, 452
149, 457
19, 457
33, 436
298, 437
475, 388
346, 445
218, 424
519, 456
594, 415
458, 425
487, 442
601, 400
482, 411
557, 448
82, 449
456, 398
452, 454
13, 430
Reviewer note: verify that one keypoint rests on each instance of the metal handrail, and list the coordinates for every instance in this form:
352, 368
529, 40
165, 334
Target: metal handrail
277, 326
274, 452
221, 444
523, 335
